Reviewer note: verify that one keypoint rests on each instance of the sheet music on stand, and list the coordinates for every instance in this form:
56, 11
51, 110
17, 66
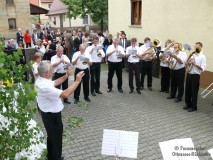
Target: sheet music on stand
120, 143
84, 59
174, 149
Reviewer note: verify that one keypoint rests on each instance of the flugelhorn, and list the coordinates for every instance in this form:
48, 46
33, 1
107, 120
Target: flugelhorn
154, 44
189, 59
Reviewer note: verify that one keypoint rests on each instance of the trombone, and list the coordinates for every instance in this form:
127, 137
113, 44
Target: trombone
206, 92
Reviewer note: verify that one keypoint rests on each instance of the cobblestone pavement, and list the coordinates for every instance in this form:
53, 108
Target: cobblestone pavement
156, 119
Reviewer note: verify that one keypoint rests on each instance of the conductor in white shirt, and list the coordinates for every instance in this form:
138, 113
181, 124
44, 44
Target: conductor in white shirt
50, 104
115, 53
58, 61
82, 60
97, 55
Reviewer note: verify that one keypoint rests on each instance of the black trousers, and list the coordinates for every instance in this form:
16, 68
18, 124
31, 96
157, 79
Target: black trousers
54, 128
134, 68
28, 45
64, 84
85, 81
191, 90
146, 70
165, 78
177, 82
112, 68
95, 71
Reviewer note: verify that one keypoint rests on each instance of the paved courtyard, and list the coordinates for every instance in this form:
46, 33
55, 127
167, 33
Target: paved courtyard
156, 118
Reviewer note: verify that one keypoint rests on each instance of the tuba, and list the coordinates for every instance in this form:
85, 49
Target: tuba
154, 44
189, 65
172, 62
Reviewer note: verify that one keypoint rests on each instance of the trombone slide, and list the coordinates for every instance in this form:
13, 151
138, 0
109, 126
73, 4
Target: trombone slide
206, 92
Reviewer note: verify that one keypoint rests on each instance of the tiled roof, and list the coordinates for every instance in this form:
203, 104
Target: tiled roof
46, 1
35, 2
57, 7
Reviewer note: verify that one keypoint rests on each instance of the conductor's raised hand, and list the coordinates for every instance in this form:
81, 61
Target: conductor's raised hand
79, 76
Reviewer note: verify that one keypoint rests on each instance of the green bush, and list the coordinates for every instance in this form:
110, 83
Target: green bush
18, 132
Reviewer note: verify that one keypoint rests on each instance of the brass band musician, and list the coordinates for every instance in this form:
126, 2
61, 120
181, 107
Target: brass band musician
177, 59
165, 70
148, 52
197, 60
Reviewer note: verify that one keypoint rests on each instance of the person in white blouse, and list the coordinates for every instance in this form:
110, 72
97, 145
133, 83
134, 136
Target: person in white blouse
82, 61
132, 53
115, 53
165, 70
198, 62
58, 61
50, 104
37, 61
40, 47
177, 72
97, 55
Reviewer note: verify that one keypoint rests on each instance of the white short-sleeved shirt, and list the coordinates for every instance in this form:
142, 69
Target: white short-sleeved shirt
113, 57
60, 67
131, 58
200, 60
35, 70
183, 57
94, 54
79, 63
48, 97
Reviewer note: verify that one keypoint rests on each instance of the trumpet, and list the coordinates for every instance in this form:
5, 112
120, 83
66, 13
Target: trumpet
189, 65
206, 92
154, 44
172, 62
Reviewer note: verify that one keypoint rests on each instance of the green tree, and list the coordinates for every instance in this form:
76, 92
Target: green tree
98, 9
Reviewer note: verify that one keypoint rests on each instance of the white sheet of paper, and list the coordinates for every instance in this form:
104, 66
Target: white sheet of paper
120, 143
211, 152
168, 148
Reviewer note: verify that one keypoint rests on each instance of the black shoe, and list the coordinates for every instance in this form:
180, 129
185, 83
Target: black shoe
93, 94
150, 88
186, 107
142, 88
139, 92
167, 91
99, 92
109, 90
177, 100
120, 90
66, 101
170, 97
191, 109
76, 101
131, 91
87, 99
